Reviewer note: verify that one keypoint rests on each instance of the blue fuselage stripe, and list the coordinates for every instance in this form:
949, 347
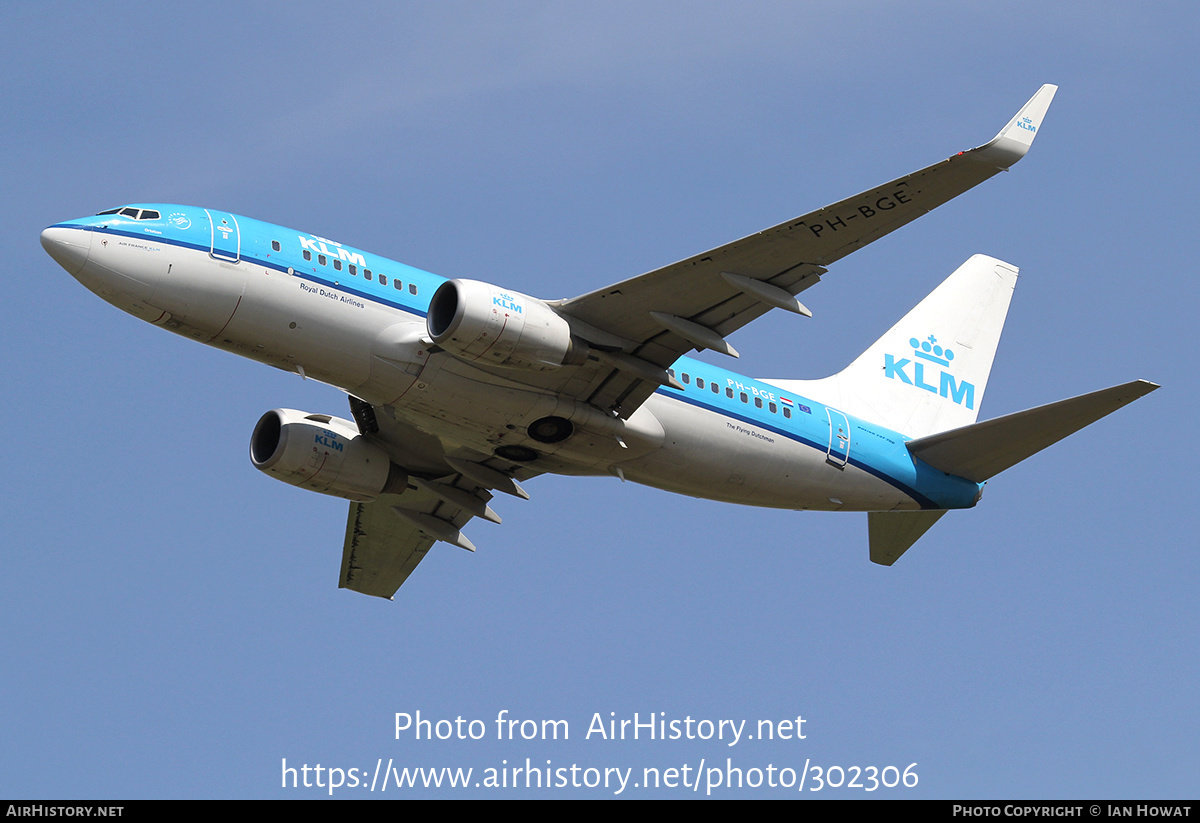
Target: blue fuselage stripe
252, 259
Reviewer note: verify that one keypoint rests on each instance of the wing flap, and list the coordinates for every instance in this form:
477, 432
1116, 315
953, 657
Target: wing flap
381, 550
388, 537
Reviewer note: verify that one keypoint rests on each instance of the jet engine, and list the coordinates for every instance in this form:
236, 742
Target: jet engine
479, 322
323, 454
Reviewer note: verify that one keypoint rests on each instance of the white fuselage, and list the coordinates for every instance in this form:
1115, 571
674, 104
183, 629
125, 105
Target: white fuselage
693, 442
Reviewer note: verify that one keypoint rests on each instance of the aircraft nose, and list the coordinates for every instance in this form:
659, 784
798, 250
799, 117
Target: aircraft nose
69, 247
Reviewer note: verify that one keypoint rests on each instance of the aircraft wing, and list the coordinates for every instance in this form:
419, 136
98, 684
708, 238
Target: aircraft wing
649, 321
381, 550
636, 330
388, 537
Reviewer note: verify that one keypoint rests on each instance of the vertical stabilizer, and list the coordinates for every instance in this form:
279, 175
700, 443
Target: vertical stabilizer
929, 372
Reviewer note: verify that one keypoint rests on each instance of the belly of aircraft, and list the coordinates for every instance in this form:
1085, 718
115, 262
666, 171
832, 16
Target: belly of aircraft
716, 457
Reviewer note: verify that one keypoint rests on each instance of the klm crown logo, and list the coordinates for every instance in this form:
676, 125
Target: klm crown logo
931, 351
928, 351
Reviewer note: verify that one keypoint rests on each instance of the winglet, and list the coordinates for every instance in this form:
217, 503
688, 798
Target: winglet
1014, 140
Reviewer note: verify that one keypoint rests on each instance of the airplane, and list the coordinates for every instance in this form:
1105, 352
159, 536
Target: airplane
459, 388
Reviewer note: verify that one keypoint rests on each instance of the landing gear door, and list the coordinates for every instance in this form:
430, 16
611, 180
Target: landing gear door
226, 236
839, 438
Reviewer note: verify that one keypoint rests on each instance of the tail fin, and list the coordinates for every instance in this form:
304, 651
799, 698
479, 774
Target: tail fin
929, 372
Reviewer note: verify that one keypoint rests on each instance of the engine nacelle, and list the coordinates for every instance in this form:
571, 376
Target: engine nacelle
483, 323
323, 454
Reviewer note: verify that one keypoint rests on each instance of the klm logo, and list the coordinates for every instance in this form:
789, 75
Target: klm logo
507, 301
329, 440
929, 355
1026, 124
318, 244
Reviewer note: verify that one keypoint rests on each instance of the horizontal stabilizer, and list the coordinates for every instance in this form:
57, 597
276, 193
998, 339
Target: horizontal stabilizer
891, 533
983, 450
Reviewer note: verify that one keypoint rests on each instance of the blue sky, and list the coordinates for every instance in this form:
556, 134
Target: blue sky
173, 626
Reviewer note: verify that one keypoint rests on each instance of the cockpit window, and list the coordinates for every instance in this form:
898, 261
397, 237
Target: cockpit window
136, 214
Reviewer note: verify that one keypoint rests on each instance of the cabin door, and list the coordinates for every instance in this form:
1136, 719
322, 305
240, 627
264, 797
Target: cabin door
839, 438
226, 236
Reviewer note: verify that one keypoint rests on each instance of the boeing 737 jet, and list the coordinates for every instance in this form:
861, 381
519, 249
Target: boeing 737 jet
460, 388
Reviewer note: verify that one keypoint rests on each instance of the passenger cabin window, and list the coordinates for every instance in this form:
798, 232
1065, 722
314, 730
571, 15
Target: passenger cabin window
715, 388
337, 264
353, 269
729, 393
274, 245
383, 279
758, 402
367, 273
787, 412
412, 288
321, 259
745, 399
398, 284
307, 254
699, 382
771, 407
